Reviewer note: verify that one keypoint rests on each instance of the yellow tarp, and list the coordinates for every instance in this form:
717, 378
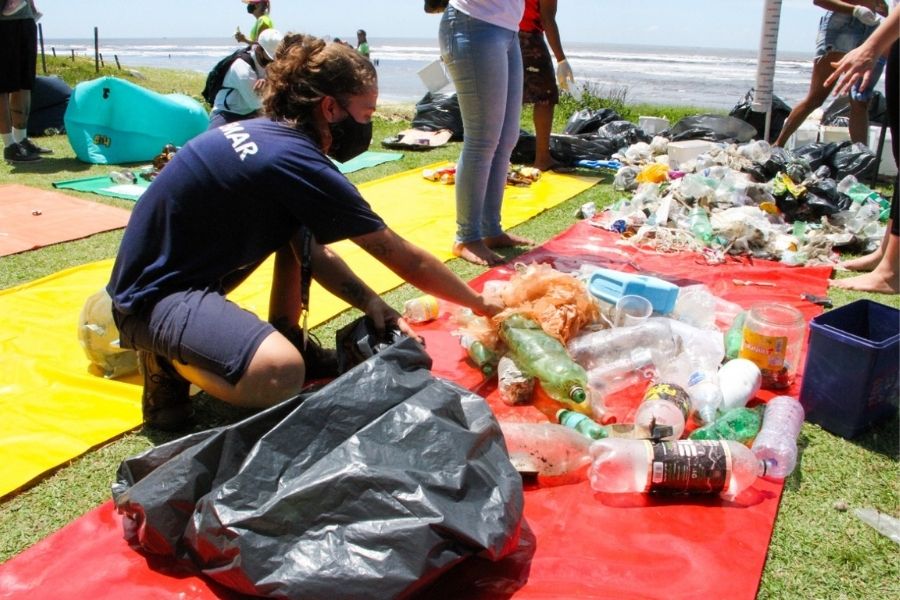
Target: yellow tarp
53, 407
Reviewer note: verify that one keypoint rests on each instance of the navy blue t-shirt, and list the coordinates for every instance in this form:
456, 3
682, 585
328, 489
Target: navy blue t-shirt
226, 201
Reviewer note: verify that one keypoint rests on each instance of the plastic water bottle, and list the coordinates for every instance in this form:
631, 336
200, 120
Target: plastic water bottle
622, 466
541, 355
607, 345
421, 309
776, 443
663, 411
483, 357
635, 366
582, 424
555, 454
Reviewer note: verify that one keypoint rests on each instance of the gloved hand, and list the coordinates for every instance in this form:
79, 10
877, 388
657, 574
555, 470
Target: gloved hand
564, 75
866, 16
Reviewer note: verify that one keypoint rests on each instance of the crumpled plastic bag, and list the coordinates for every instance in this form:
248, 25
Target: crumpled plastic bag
381, 480
569, 149
99, 337
558, 301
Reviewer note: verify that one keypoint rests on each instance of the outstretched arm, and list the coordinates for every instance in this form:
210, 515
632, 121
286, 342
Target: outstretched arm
857, 64
423, 270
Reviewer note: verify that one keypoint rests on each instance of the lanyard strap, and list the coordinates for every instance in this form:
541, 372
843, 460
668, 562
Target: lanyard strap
305, 280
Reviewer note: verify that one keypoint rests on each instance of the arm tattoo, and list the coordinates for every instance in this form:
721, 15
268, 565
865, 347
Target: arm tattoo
353, 292
379, 250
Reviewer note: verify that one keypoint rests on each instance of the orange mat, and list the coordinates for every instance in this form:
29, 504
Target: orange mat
580, 544
32, 218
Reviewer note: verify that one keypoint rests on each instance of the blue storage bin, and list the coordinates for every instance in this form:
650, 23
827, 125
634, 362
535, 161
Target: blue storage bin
852, 362
610, 285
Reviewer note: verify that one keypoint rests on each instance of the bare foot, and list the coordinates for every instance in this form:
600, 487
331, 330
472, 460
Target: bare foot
863, 263
868, 282
552, 165
477, 253
506, 240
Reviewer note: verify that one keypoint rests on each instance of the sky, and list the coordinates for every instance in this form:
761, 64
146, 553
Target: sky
692, 23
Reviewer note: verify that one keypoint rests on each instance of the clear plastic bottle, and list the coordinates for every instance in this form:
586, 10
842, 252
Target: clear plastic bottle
607, 345
772, 338
735, 335
663, 411
776, 443
542, 356
555, 454
610, 377
622, 466
421, 309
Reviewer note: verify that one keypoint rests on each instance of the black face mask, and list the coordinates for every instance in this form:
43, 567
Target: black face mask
349, 138
251, 8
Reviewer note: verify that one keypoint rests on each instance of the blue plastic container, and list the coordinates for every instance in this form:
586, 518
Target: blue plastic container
610, 285
852, 363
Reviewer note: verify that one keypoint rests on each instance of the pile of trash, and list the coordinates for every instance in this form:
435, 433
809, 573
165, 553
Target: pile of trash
573, 345
706, 185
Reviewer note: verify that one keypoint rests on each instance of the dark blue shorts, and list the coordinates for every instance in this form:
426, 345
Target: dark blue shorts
200, 328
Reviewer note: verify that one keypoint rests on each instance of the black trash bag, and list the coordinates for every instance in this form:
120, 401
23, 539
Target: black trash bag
853, 159
524, 152
743, 110
626, 131
358, 341
714, 128
822, 198
588, 120
49, 100
777, 162
816, 154
569, 149
837, 113
439, 111
377, 483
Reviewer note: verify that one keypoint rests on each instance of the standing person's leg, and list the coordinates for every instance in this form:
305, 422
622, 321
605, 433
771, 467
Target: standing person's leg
539, 90
884, 262
815, 97
13, 78
495, 237
476, 58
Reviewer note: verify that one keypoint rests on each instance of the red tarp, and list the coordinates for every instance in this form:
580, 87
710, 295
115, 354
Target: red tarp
33, 218
586, 545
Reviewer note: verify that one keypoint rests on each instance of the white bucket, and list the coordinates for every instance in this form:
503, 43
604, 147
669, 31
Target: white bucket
433, 76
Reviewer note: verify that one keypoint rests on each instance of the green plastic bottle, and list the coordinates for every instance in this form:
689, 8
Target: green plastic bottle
542, 356
738, 424
735, 336
483, 357
582, 424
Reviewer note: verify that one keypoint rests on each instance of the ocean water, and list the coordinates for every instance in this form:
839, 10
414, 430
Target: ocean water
662, 75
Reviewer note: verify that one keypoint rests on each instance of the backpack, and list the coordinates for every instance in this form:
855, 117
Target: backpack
217, 74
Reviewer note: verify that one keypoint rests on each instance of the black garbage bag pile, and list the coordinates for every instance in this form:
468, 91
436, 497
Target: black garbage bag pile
743, 110
337, 494
713, 128
439, 111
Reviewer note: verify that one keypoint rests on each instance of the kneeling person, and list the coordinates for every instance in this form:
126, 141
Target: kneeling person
232, 197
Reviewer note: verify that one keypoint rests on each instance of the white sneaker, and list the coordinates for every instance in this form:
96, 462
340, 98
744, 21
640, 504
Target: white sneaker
12, 7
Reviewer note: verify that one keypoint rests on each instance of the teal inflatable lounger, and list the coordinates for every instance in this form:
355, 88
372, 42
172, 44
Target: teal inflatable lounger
113, 121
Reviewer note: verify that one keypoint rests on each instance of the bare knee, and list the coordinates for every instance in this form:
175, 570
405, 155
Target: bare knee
275, 373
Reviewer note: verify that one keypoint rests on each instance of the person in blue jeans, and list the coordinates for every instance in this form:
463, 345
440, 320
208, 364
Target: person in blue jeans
846, 25
480, 45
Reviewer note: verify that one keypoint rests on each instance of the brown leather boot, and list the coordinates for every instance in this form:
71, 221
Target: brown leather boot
166, 402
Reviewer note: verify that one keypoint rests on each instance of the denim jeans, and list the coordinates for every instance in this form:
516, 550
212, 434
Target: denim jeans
485, 64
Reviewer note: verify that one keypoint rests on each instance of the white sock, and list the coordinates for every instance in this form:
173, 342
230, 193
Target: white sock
7, 139
19, 134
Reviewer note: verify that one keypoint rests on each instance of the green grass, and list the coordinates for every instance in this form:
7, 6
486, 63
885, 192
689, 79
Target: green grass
816, 551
